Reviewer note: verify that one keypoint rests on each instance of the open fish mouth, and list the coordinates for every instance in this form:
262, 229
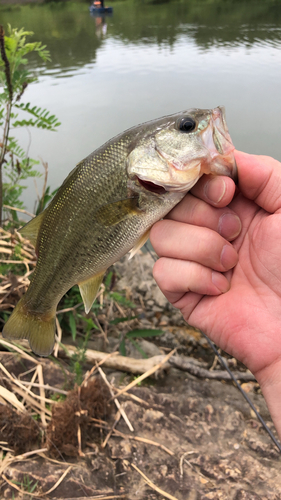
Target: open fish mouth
150, 186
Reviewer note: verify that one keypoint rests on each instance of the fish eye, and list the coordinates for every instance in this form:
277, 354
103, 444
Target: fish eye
187, 124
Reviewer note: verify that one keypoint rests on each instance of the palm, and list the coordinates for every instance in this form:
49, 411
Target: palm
238, 319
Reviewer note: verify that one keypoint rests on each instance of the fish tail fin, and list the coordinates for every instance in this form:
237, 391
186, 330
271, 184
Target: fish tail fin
39, 330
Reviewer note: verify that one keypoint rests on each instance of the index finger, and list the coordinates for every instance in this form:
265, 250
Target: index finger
259, 179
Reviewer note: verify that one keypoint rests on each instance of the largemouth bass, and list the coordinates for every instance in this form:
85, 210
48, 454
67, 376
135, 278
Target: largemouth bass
106, 207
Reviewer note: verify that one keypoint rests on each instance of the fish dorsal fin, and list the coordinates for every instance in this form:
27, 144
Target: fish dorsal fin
113, 213
141, 241
89, 289
31, 229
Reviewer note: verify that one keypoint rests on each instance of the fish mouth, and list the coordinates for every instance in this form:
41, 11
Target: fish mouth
217, 140
150, 186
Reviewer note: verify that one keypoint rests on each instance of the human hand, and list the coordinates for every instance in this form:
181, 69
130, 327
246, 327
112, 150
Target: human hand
197, 263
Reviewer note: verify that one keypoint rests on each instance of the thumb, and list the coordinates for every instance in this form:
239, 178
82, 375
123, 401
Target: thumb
259, 179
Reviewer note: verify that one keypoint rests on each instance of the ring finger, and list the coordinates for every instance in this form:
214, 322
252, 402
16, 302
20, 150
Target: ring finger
178, 240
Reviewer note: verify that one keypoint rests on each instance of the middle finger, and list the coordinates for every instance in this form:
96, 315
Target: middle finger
192, 210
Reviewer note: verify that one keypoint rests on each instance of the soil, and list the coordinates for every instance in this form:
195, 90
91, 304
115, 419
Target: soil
194, 439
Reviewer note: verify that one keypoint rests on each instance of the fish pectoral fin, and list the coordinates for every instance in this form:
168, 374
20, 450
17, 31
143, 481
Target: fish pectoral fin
113, 213
39, 330
89, 289
31, 229
142, 240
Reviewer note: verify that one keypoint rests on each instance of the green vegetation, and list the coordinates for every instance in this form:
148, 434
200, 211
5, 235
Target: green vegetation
28, 486
143, 333
15, 164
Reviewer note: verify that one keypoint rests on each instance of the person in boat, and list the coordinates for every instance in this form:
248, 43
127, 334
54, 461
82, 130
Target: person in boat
224, 272
98, 4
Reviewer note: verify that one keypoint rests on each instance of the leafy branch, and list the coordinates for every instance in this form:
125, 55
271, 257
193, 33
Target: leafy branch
43, 119
15, 77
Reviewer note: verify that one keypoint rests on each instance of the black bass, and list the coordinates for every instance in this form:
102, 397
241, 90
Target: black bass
106, 207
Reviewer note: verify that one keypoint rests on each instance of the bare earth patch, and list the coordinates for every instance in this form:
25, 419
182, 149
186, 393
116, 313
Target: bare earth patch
178, 436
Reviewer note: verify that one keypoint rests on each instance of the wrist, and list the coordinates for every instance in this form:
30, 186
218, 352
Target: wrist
270, 383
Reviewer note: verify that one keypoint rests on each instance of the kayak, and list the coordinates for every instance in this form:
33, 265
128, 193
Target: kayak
100, 10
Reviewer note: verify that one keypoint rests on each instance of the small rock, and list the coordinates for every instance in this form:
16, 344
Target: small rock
150, 303
163, 469
164, 321
249, 386
121, 450
153, 416
159, 297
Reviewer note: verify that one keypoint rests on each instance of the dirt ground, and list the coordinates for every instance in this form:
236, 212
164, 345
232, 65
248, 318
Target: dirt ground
192, 439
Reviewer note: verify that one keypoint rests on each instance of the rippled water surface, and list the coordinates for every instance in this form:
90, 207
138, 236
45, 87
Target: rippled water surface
150, 59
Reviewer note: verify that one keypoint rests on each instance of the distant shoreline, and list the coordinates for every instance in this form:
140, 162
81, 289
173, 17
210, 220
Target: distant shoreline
19, 2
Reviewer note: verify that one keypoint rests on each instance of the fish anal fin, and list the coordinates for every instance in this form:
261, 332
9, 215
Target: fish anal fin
141, 241
31, 229
39, 330
89, 289
113, 213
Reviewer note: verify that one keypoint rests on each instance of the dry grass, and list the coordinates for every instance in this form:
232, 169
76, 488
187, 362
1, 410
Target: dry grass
15, 252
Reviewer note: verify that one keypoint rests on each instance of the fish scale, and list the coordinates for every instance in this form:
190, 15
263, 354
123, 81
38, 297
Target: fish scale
106, 206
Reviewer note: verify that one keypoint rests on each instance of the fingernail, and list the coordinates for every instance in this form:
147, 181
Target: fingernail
220, 281
229, 226
229, 257
215, 189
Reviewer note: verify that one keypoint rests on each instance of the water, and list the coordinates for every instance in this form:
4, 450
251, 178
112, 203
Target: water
147, 60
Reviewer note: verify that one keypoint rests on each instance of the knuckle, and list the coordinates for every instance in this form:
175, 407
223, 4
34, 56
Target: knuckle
159, 271
156, 233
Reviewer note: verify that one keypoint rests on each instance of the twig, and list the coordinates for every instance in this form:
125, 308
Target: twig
152, 485
58, 338
117, 418
146, 374
28, 390
8, 460
68, 309
101, 424
23, 391
42, 394
187, 364
19, 350
79, 439
138, 400
19, 210
6, 63
92, 371
45, 386
182, 458
120, 309
110, 497
39, 494
123, 363
32, 401
122, 411
11, 398
117, 433
100, 328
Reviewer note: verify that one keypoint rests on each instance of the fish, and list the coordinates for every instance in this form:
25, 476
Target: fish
106, 207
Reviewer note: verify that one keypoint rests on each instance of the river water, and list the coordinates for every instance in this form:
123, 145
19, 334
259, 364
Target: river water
149, 59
